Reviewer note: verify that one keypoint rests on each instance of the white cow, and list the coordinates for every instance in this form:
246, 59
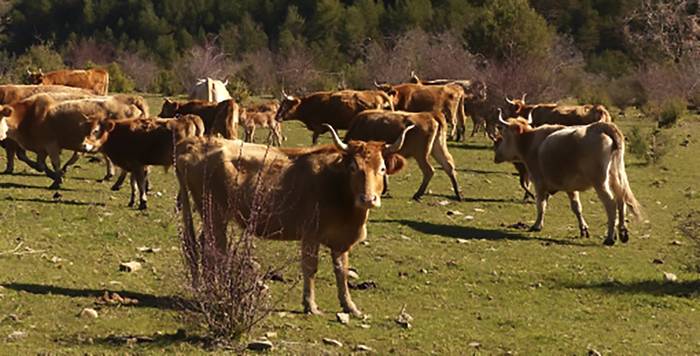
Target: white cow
210, 90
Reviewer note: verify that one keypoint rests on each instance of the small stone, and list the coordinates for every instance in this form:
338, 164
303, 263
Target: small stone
454, 213
463, 241
423, 270
260, 345
343, 318
352, 274
443, 202
370, 284
475, 344
404, 319
404, 237
270, 334
594, 352
363, 348
676, 243
657, 261
88, 313
468, 217
332, 342
365, 326
479, 210
132, 266
16, 335
148, 249
55, 259
670, 277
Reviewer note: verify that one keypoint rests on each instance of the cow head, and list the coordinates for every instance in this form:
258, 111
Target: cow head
478, 91
389, 90
366, 164
35, 77
5, 111
287, 107
96, 132
507, 144
515, 106
169, 109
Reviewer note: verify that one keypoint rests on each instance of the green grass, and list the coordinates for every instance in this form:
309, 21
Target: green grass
508, 290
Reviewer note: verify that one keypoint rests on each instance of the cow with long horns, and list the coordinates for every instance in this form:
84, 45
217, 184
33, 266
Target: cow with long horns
320, 195
572, 159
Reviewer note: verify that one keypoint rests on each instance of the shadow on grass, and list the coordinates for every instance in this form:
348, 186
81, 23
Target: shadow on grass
156, 340
52, 201
473, 233
9, 185
144, 300
471, 146
481, 171
686, 289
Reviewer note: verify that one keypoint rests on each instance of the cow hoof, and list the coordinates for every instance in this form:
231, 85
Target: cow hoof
107, 177
585, 233
55, 186
312, 311
609, 241
354, 312
417, 197
116, 187
624, 235
131, 204
143, 205
534, 228
459, 197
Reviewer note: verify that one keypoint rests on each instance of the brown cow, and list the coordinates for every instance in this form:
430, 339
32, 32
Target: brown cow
135, 144
556, 114
572, 159
445, 99
221, 118
333, 108
474, 97
429, 137
262, 115
42, 125
95, 80
319, 195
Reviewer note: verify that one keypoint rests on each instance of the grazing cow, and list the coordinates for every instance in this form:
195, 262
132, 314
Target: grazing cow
572, 159
445, 99
95, 80
221, 118
555, 114
319, 195
474, 97
262, 115
208, 89
42, 125
333, 108
429, 137
135, 144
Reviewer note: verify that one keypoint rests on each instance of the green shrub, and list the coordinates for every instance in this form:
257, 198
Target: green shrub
637, 143
119, 82
38, 57
661, 144
668, 112
167, 83
239, 90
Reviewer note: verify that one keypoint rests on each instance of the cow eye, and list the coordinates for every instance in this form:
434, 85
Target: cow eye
382, 170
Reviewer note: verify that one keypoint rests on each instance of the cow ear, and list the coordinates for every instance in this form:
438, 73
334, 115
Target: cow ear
109, 125
392, 92
6, 111
394, 163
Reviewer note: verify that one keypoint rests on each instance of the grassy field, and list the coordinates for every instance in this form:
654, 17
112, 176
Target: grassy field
472, 283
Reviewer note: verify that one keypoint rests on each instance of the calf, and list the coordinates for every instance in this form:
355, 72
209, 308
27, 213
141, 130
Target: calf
429, 137
572, 159
135, 144
318, 195
262, 115
219, 118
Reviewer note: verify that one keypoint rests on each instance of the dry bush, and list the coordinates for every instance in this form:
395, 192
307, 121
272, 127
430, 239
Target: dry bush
86, 51
296, 71
143, 71
227, 286
202, 61
259, 71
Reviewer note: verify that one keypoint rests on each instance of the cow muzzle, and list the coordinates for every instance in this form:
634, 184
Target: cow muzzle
368, 201
88, 147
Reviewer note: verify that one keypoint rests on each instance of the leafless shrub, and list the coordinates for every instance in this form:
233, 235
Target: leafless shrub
227, 285
296, 71
88, 51
674, 80
201, 61
143, 71
259, 71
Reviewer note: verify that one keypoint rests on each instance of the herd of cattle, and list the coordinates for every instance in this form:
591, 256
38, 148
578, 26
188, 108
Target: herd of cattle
321, 194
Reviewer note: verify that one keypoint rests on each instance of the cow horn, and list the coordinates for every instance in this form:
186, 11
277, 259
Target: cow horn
523, 98
377, 85
500, 117
509, 101
396, 146
336, 140
529, 118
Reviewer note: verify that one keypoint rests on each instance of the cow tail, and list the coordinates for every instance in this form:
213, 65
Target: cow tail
620, 183
603, 113
183, 199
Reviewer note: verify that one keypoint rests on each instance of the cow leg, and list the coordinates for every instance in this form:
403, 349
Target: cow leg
132, 183
461, 121
57, 175
385, 190
140, 174
120, 180
443, 156
277, 130
309, 266
428, 172
71, 160
22, 155
314, 137
340, 267
608, 200
41, 162
541, 202
10, 149
622, 228
578, 211
109, 168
